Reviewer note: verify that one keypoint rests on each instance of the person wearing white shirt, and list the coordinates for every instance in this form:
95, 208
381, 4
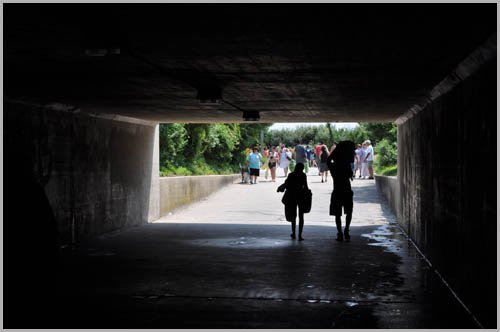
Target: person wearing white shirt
369, 157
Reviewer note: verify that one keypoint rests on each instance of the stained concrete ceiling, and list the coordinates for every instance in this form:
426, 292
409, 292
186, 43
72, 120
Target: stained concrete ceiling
290, 62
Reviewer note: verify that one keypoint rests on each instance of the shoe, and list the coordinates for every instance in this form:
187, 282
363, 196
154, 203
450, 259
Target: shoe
301, 238
340, 237
322, 181
370, 178
346, 235
292, 236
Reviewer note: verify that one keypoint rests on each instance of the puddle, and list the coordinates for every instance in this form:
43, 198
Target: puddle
242, 242
385, 237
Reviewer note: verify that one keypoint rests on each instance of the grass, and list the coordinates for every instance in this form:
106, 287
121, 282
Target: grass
197, 170
389, 170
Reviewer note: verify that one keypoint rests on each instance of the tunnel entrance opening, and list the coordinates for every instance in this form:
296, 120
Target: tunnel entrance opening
191, 149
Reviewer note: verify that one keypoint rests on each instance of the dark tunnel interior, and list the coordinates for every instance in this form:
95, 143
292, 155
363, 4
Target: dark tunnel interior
86, 86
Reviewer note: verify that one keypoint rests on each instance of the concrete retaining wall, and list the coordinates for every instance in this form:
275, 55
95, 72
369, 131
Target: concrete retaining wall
389, 187
97, 173
178, 191
447, 155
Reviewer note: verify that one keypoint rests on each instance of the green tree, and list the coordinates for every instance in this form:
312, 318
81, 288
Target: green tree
378, 131
173, 140
221, 140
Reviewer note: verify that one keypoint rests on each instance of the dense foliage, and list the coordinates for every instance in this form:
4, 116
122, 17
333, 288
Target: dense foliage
195, 149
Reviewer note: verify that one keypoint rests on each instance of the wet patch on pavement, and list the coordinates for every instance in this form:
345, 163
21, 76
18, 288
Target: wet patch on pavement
241, 242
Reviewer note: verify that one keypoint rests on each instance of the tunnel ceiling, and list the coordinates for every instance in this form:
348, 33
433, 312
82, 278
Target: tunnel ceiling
290, 62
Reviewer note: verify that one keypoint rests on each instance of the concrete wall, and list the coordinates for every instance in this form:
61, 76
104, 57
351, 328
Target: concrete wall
178, 191
99, 173
389, 187
447, 156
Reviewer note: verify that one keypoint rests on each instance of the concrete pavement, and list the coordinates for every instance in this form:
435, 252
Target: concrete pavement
228, 262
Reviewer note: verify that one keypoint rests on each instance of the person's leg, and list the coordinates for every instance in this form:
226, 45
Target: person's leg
370, 169
301, 224
348, 219
326, 176
338, 222
294, 224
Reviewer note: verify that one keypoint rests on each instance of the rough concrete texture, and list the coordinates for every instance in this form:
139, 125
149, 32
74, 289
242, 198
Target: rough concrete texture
291, 62
242, 270
389, 188
447, 160
178, 191
154, 191
97, 173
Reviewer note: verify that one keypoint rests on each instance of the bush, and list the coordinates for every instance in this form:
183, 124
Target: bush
389, 170
174, 171
386, 153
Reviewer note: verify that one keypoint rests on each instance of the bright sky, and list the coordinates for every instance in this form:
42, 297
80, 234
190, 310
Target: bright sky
291, 125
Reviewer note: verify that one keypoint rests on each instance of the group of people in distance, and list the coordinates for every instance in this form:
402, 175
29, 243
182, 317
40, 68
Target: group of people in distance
278, 156
364, 160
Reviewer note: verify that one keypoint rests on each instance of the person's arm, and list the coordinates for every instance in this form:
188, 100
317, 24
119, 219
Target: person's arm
282, 187
329, 158
366, 157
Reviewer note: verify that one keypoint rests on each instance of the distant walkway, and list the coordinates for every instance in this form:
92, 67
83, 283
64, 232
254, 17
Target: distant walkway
261, 204
229, 262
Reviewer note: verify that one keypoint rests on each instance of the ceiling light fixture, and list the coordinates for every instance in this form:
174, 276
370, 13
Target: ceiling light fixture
251, 116
209, 95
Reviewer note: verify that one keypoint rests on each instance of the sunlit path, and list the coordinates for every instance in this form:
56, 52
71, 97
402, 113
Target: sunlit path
261, 204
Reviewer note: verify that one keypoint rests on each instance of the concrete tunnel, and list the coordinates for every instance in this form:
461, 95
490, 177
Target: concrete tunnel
86, 85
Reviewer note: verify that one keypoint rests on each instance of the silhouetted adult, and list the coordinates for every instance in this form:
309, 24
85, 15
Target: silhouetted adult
296, 190
339, 163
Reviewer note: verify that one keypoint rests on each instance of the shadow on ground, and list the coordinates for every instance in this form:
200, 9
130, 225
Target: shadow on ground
251, 276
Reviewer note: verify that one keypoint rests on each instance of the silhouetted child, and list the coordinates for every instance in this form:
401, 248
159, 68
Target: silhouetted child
296, 189
339, 163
